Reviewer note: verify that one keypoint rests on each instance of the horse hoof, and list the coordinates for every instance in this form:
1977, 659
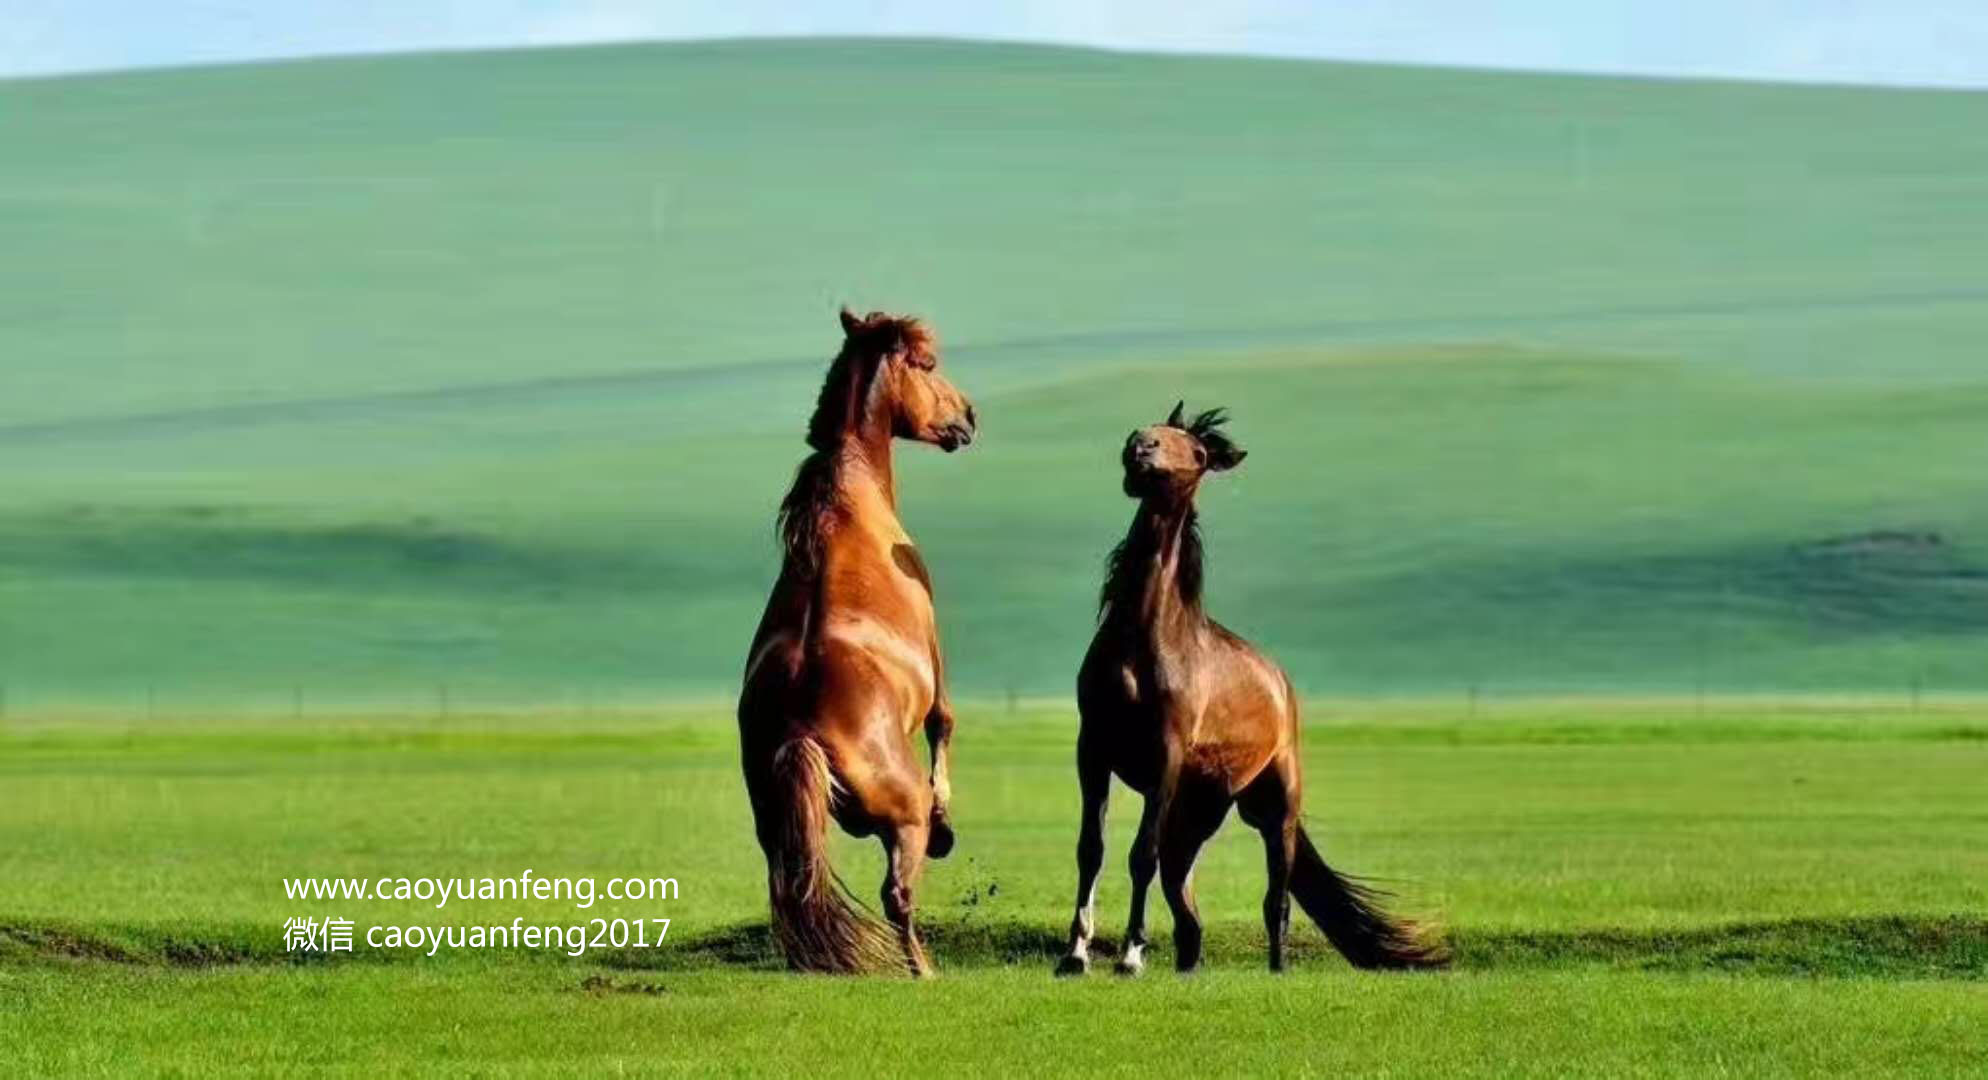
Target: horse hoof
1130, 969
940, 844
1073, 965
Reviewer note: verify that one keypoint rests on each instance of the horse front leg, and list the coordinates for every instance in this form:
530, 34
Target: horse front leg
939, 736
1143, 862
1094, 783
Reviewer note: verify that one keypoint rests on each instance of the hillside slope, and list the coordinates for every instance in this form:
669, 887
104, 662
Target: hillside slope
366, 376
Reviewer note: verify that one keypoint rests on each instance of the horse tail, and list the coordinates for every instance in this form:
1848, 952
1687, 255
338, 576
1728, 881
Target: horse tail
1350, 914
817, 924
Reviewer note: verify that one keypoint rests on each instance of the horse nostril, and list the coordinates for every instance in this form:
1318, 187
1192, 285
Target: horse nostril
972, 418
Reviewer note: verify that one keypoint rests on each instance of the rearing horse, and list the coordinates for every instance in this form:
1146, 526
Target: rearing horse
845, 668
1195, 719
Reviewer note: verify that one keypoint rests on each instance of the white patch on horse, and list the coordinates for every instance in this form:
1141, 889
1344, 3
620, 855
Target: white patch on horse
868, 634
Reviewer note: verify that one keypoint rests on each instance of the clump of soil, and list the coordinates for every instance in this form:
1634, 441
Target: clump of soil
602, 984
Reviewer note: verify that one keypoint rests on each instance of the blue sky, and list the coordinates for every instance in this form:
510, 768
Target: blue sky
1910, 42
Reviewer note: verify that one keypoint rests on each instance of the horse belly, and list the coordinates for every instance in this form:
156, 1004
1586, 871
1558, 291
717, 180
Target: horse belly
1238, 732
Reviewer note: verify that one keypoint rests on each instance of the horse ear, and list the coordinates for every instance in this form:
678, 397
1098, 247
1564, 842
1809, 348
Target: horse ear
851, 322
1177, 417
1222, 459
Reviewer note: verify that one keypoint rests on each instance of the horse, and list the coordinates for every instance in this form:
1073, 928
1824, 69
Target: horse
1196, 719
845, 667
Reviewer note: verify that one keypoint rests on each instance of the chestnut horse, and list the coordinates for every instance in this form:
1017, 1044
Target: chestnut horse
1195, 719
846, 667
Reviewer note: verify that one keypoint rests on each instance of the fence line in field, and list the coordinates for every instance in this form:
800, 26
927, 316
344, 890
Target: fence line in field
444, 702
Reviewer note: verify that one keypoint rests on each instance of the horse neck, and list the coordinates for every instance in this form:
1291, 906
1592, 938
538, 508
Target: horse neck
848, 478
1149, 590
859, 446
864, 476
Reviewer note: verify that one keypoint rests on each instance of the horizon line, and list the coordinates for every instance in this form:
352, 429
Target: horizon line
991, 41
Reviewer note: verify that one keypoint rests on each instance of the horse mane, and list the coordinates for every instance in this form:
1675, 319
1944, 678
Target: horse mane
1207, 427
808, 510
1126, 567
805, 512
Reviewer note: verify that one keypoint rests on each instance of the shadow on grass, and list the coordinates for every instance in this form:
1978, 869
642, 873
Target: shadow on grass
1881, 946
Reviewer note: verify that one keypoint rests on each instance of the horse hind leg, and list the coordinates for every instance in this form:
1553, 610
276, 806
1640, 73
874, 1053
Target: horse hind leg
1190, 818
904, 851
889, 798
900, 803
1268, 806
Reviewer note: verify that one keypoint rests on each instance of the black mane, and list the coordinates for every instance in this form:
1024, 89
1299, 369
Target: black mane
1207, 427
838, 405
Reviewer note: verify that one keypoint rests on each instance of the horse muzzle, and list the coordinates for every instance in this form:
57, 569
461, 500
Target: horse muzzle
954, 436
959, 433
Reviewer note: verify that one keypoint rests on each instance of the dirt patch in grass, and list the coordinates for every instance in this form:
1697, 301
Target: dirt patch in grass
1884, 946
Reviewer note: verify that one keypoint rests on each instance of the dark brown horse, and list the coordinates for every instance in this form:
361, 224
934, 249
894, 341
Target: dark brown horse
1195, 719
845, 668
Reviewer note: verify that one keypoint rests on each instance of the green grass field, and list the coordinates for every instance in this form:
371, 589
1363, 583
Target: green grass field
1632, 888
366, 381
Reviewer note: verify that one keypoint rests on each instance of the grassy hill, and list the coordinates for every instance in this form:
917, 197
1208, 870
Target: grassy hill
360, 378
